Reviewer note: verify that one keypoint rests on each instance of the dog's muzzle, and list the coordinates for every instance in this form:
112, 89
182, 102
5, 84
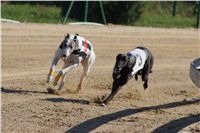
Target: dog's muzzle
64, 57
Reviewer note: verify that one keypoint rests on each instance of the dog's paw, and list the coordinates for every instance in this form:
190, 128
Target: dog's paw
57, 93
145, 86
51, 91
102, 105
73, 91
76, 91
49, 79
136, 77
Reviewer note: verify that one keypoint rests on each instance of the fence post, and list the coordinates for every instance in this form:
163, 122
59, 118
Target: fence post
174, 8
198, 14
102, 12
86, 11
68, 11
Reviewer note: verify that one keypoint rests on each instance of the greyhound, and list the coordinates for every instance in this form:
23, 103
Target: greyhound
138, 61
73, 50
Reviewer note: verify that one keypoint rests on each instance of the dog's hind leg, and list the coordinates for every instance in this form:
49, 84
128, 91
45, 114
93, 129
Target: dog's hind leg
86, 69
136, 76
83, 75
145, 85
147, 70
145, 75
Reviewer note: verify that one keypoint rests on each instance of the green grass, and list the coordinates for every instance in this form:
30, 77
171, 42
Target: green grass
31, 13
154, 14
159, 14
166, 21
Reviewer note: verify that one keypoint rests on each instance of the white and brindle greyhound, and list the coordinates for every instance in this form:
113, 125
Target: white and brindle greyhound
73, 50
138, 61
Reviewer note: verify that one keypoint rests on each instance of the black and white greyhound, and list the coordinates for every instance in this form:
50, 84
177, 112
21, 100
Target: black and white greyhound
138, 61
73, 50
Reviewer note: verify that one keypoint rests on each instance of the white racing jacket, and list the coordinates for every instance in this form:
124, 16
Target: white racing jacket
141, 58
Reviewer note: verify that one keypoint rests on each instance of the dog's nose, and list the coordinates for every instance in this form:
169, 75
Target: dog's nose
64, 57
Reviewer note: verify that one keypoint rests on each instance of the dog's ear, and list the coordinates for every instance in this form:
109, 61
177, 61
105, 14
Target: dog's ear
118, 56
75, 40
67, 36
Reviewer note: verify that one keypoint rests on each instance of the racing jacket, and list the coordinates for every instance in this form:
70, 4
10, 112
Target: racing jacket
141, 58
84, 47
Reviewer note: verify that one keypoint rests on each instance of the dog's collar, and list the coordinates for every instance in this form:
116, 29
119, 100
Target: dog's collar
79, 53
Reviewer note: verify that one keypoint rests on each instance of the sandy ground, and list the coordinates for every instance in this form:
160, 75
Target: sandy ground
171, 103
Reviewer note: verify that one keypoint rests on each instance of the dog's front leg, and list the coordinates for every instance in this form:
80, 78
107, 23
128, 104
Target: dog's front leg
66, 65
63, 71
115, 88
61, 84
53, 65
52, 69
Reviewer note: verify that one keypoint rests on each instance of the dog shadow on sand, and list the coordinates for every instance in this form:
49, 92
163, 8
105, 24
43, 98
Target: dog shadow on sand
20, 91
58, 100
172, 127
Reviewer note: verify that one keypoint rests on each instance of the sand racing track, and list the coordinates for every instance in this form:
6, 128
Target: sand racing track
171, 103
